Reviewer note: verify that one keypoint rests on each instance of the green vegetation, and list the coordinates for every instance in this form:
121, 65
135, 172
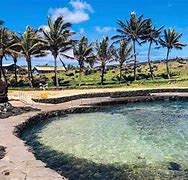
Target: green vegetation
105, 53
91, 77
171, 41
57, 39
133, 30
123, 55
178, 70
82, 52
29, 44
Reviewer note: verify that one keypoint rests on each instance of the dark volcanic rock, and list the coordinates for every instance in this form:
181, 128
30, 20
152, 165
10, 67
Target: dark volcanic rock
7, 110
3, 92
174, 166
2, 152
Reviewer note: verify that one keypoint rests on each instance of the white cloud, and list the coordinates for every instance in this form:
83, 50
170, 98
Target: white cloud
70, 16
81, 5
78, 14
45, 27
49, 59
104, 29
82, 30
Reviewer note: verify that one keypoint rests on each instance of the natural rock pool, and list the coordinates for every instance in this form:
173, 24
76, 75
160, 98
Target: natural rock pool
146, 140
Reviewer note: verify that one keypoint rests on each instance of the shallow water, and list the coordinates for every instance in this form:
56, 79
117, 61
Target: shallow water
143, 135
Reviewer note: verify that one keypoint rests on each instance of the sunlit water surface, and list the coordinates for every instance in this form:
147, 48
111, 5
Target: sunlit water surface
153, 134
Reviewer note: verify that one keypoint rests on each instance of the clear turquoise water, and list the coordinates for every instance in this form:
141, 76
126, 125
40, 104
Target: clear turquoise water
152, 134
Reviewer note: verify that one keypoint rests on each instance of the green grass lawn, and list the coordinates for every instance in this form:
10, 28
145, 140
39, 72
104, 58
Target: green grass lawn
178, 69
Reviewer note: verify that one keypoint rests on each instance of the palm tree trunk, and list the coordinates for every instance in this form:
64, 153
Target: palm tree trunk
91, 65
102, 74
149, 61
80, 75
135, 59
32, 78
29, 72
56, 76
1, 67
120, 73
2, 72
167, 66
15, 70
63, 64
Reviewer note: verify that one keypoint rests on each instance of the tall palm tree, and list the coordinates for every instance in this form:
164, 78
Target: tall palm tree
171, 41
7, 42
152, 37
122, 55
15, 53
91, 60
30, 44
15, 56
82, 52
105, 53
132, 30
58, 40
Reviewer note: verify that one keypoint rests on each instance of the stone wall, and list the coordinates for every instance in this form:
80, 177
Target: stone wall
108, 94
136, 99
45, 116
48, 116
145, 92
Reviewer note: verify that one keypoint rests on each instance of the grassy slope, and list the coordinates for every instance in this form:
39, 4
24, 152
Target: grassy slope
179, 68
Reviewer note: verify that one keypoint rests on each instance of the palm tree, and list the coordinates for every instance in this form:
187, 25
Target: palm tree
82, 52
15, 53
91, 60
105, 53
15, 56
30, 44
132, 30
171, 41
7, 42
152, 36
122, 55
58, 40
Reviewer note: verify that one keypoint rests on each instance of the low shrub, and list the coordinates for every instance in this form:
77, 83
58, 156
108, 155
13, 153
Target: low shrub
12, 82
60, 80
88, 72
64, 83
40, 81
69, 74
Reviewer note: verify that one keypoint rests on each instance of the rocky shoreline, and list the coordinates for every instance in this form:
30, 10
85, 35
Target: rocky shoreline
7, 110
62, 161
33, 166
118, 94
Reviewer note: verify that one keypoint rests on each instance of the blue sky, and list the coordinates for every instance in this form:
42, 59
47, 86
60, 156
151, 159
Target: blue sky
97, 18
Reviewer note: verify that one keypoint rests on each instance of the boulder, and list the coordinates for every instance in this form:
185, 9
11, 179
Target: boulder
3, 92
